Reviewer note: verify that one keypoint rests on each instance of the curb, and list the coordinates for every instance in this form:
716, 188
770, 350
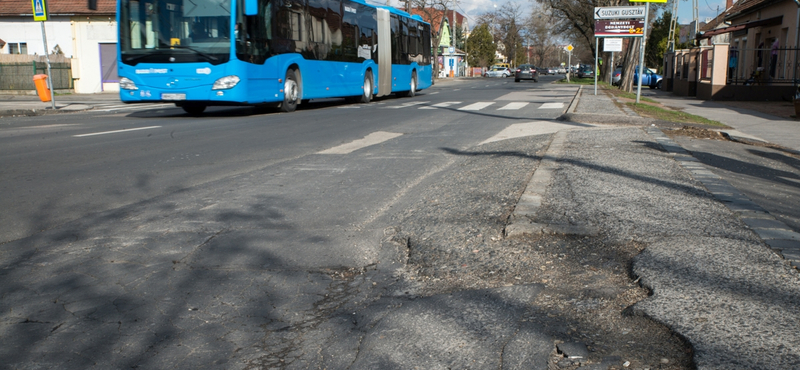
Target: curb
522, 219
775, 234
38, 112
631, 118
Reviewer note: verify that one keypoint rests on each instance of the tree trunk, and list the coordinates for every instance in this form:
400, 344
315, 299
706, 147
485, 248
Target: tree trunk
631, 58
608, 67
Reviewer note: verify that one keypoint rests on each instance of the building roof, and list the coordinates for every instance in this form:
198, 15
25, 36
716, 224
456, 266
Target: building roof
435, 17
744, 7
57, 7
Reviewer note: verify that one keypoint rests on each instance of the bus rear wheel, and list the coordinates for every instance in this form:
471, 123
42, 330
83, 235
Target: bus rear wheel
290, 92
366, 93
413, 85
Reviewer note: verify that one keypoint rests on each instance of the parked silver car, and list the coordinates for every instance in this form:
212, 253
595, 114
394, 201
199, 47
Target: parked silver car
497, 72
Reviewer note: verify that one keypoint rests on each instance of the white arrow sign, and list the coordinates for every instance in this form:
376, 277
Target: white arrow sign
619, 12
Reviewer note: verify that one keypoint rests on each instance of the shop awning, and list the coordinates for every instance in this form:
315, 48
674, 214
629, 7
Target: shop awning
760, 23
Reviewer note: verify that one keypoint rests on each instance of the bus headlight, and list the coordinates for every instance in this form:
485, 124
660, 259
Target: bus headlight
226, 82
126, 84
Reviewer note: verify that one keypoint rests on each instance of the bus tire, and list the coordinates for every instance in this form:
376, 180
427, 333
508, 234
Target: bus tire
290, 92
194, 110
366, 89
413, 85
413, 90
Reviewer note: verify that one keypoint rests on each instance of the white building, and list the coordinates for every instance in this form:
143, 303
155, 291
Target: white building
87, 37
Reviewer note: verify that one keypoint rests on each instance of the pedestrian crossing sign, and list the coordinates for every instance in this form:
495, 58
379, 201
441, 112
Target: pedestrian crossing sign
39, 10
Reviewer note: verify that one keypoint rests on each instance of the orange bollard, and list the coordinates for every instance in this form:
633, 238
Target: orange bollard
41, 87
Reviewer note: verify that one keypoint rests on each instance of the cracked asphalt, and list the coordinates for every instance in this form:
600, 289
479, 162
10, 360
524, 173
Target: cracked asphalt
662, 275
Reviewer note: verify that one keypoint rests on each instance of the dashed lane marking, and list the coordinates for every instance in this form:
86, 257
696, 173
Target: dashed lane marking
369, 140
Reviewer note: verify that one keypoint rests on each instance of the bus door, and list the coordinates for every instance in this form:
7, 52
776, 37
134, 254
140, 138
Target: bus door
384, 53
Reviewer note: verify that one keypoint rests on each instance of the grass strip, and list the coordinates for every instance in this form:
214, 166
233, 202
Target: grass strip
581, 81
647, 110
627, 95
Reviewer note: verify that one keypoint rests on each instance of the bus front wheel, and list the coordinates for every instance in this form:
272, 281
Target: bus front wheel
290, 92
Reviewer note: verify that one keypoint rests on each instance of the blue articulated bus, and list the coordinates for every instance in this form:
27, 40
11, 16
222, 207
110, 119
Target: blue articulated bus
200, 53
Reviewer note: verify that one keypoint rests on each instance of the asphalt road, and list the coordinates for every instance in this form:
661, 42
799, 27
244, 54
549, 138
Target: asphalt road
52, 174
153, 239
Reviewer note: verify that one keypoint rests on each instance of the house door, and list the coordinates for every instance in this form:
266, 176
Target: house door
108, 66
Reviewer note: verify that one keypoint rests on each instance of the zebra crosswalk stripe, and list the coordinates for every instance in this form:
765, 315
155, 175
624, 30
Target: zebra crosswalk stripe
552, 106
513, 106
406, 105
441, 105
476, 106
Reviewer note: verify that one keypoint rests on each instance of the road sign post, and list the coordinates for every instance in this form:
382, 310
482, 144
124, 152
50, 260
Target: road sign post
40, 15
644, 41
569, 60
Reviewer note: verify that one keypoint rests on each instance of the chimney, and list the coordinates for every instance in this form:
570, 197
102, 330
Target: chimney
728, 4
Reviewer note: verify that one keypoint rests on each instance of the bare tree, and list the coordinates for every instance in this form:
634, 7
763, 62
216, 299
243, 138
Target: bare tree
506, 24
538, 31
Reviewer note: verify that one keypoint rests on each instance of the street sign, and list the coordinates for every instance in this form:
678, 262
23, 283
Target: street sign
619, 12
612, 44
628, 28
39, 10
569, 47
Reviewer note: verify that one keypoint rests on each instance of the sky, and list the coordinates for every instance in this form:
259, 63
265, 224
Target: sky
473, 8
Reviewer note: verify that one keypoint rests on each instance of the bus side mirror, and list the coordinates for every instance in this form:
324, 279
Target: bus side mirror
250, 7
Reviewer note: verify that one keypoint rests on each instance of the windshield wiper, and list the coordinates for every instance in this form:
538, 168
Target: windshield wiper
202, 54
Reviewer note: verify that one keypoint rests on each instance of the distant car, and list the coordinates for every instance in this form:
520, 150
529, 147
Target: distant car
498, 72
526, 72
562, 70
551, 70
650, 78
586, 73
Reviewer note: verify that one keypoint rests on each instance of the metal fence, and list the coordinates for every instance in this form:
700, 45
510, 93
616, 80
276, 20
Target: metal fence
760, 66
19, 75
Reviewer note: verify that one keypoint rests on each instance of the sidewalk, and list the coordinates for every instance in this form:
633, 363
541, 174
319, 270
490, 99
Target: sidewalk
712, 257
746, 123
31, 105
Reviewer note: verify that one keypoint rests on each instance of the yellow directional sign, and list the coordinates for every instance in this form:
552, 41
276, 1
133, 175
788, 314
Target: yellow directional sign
569, 47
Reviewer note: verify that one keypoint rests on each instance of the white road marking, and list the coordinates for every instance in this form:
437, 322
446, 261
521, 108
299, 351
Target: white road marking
116, 131
371, 139
476, 106
441, 105
514, 106
406, 105
528, 129
552, 106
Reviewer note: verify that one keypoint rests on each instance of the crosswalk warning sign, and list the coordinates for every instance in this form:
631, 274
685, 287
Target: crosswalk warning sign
39, 10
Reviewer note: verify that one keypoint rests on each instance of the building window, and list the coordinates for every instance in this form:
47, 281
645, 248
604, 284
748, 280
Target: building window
17, 48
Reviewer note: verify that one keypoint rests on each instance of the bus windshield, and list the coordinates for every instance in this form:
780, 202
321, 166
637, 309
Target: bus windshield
175, 31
